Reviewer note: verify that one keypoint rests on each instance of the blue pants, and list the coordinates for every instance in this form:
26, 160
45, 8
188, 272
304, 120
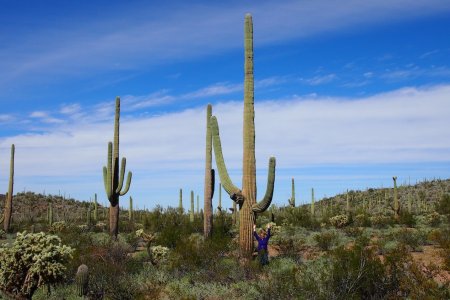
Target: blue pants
263, 257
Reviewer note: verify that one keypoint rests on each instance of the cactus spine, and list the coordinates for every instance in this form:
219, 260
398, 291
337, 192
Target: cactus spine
82, 280
312, 202
113, 180
9, 195
292, 199
209, 178
396, 204
246, 198
191, 211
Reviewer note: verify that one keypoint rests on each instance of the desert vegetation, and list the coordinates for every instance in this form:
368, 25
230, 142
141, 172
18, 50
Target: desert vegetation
380, 243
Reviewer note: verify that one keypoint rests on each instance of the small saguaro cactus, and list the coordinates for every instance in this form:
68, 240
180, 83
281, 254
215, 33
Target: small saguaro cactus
198, 204
9, 195
245, 197
209, 178
191, 211
312, 202
50, 214
113, 180
130, 210
347, 206
396, 203
89, 215
82, 280
292, 199
95, 208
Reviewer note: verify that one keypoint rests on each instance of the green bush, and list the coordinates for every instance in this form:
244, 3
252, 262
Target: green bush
326, 239
33, 260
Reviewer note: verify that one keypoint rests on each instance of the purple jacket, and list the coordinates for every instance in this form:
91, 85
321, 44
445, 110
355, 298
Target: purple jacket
262, 243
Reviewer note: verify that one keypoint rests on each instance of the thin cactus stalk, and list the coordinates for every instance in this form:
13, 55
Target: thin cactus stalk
292, 199
396, 203
347, 207
82, 280
191, 211
312, 202
113, 179
219, 207
198, 204
89, 215
95, 209
50, 214
9, 196
130, 210
209, 178
246, 198
409, 203
235, 213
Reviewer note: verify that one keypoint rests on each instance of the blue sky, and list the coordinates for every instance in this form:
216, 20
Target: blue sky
346, 96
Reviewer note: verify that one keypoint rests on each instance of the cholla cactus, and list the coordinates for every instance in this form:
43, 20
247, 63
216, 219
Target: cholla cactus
339, 221
34, 260
159, 254
82, 280
58, 227
433, 218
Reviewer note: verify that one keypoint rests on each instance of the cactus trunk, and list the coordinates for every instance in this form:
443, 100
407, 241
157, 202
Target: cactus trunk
130, 210
209, 178
292, 199
95, 209
9, 195
180, 203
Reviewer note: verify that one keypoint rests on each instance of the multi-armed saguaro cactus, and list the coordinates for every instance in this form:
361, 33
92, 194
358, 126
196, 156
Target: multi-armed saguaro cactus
9, 195
292, 199
312, 202
246, 198
113, 180
396, 203
209, 178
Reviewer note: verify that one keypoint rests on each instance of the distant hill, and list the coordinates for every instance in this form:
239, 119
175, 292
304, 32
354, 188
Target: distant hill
423, 195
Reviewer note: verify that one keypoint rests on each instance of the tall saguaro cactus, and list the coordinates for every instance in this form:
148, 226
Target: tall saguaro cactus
209, 178
292, 199
9, 195
312, 202
246, 198
95, 208
180, 203
130, 210
113, 180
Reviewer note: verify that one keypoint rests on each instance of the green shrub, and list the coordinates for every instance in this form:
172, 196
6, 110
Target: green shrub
326, 239
34, 260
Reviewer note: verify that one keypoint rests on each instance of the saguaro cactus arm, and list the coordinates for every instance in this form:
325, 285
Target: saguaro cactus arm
107, 171
262, 205
234, 192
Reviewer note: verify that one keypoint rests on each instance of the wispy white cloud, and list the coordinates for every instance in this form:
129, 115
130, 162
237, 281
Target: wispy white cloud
166, 152
320, 79
142, 40
414, 71
6, 118
214, 90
